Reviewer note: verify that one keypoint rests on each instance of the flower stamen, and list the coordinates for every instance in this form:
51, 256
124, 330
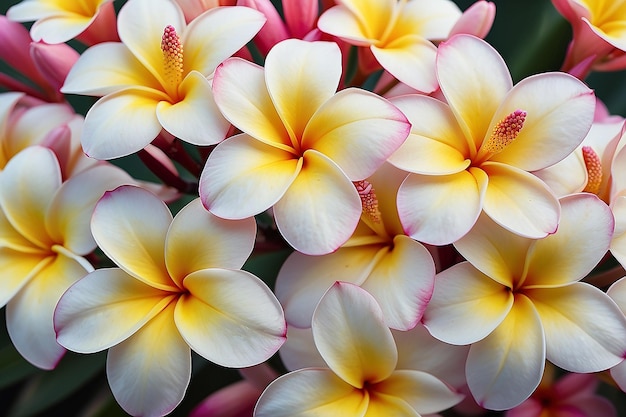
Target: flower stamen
593, 165
172, 49
505, 132
369, 201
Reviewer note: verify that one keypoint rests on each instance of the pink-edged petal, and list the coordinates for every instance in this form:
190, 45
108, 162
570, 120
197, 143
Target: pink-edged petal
130, 225
303, 279
436, 144
299, 350
466, 305
198, 240
358, 130
16, 270
559, 111
320, 209
618, 372
618, 243
27, 186
411, 59
230, 317
585, 330
350, 334
217, 34
474, 79
505, 368
140, 26
59, 28
242, 97
104, 308
580, 242
425, 393
520, 202
453, 204
310, 393
121, 123
244, 177
69, 215
495, 251
30, 311
149, 372
106, 68
301, 76
617, 292
195, 118
402, 282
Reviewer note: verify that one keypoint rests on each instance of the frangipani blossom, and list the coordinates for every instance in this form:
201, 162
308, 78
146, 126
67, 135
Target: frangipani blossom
398, 33
178, 287
361, 376
61, 21
475, 151
395, 269
44, 236
519, 302
303, 144
158, 77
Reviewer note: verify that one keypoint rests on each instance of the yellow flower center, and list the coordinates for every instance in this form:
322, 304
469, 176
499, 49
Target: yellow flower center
594, 170
172, 49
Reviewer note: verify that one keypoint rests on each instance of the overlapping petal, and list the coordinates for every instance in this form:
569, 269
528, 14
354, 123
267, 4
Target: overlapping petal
16, 270
432, 19
618, 243
299, 350
506, 367
367, 352
320, 209
466, 305
244, 177
149, 378
585, 330
130, 224
343, 23
85, 313
230, 317
59, 28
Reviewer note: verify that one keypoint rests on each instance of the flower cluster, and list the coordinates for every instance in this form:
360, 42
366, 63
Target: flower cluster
449, 240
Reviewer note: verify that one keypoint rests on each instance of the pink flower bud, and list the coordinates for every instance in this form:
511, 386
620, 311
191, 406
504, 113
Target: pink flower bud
53, 62
301, 16
274, 29
476, 20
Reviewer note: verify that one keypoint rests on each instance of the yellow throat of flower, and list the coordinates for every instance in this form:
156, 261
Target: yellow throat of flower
593, 165
172, 49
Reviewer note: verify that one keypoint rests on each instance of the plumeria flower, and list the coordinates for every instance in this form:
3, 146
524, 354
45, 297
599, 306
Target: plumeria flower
519, 301
568, 396
177, 287
158, 77
91, 21
599, 40
361, 375
395, 269
44, 238
475, 151
398, 34
303, 145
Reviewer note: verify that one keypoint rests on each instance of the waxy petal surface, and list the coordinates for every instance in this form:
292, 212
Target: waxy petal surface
244, 177
149, 372
320, 209
343, 23
466, 305
230, 317
504, 368
130, 225
105, 308
367, 352
16, 270
585, 330
59, 28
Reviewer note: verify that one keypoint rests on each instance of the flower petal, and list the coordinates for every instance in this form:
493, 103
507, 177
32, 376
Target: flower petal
149, 372
618, 243
559, 111
310, 393
30, 311
130, 225
230, 317
121, 123
244, 177
301, 76
105, 308
299, 350
436, 144
520, 202
59, 28
466, 305
320, 209
454, 203
618, 372
585, 330
345, 24
16, 270
504, 368
358, 130
350, 334
474, 80
580, 242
